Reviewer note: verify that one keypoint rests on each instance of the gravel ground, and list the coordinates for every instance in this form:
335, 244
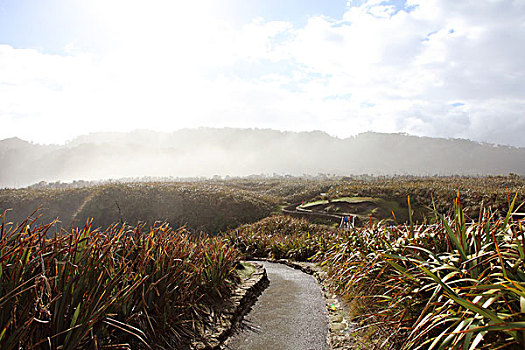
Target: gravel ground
290, 314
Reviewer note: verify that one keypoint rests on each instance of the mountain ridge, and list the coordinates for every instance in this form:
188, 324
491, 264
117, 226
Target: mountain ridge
241, 152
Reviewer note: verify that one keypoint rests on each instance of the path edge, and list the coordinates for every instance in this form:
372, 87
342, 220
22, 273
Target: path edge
240, 303
339, 326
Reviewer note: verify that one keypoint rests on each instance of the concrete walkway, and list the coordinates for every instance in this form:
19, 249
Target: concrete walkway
289, 315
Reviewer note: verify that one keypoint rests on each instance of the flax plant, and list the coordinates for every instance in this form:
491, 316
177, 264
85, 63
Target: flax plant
453, 284
477, 286
118, 287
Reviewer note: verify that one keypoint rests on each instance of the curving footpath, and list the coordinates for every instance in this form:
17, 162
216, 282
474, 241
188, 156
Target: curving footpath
290, 314
296, 211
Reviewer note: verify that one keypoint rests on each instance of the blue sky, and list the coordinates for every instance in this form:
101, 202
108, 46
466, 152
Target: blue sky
294, 11
438, 68
52, 25
45, 25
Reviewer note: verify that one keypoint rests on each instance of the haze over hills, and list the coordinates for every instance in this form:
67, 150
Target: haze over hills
241, 152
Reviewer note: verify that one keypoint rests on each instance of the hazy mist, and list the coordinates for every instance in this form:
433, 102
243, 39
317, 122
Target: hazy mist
240, 152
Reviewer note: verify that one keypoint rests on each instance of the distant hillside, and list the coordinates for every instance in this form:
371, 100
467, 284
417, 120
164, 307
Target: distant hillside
199, 206
241, 152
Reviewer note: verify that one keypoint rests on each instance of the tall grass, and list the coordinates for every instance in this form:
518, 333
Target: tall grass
122, 286
453, 284
279, 237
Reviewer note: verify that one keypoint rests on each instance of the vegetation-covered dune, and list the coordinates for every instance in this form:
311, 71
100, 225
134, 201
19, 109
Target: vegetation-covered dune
199, 206
494, 192
217, 205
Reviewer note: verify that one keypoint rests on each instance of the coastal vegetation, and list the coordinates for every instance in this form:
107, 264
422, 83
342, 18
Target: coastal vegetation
455, 283
128, 287
199, 206
448, 273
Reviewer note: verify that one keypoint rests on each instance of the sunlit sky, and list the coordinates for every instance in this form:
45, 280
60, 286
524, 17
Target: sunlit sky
442, 68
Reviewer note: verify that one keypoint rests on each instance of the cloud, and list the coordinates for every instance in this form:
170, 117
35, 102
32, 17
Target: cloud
412, 64
435, 68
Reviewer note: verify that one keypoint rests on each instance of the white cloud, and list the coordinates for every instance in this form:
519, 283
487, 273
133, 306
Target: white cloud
413, 65
443, 68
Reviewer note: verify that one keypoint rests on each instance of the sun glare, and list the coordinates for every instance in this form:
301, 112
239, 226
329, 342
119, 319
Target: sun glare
156, 18
159, 51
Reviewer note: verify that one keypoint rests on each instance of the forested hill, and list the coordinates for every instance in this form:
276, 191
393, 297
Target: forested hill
241, 152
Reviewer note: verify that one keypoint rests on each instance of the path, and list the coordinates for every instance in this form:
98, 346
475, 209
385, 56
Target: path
290, 314
296, 211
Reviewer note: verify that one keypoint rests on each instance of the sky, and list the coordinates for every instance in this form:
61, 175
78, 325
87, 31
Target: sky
439, 68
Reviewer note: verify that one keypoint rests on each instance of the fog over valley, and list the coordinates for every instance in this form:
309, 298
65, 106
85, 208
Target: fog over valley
205, 152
